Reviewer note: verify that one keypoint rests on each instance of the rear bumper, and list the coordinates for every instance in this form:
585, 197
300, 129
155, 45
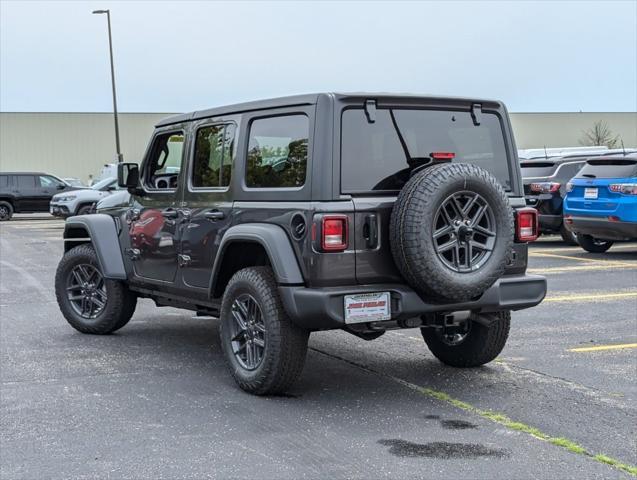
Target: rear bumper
549, 223
59, 210
602, 228
323, 308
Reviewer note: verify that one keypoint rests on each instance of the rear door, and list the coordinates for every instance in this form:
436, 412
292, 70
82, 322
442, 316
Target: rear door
378, 157
26, 193
207, 199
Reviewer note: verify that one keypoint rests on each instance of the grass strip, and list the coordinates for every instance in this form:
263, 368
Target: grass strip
520, 427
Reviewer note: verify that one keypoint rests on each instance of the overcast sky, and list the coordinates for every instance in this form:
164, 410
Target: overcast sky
181, 56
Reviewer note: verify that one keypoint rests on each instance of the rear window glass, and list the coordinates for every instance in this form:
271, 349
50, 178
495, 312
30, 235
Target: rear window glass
213, 156
537, 169
4, 180
373, 156
620, 168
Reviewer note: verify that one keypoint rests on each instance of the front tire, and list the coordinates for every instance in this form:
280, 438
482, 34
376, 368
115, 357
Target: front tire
481, 343
263, 348
88, 301
85, 210
593, 245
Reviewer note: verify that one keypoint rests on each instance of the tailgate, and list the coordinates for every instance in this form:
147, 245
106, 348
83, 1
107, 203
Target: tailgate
374, 261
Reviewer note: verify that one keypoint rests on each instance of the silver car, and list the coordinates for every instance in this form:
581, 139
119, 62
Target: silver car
82, 202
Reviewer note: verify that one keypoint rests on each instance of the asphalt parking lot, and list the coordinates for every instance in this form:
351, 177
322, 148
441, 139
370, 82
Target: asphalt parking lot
155, 400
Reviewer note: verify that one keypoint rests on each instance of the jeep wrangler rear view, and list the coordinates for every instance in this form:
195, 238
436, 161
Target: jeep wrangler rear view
360, 212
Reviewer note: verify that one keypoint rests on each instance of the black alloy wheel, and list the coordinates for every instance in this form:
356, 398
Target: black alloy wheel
86, 291
465, 232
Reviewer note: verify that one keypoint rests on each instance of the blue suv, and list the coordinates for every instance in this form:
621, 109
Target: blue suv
601, 202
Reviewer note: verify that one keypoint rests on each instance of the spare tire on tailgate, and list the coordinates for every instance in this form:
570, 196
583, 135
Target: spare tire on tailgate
451, 229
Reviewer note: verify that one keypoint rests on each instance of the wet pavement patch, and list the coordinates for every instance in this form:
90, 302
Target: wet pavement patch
445, 450
457, 424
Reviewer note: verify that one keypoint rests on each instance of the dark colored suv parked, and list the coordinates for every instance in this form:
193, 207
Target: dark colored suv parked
361, 212
27, 192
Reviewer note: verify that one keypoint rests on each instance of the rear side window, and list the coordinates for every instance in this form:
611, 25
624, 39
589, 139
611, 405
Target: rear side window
620, 168
213, 156
382, 155
4, 181
277, 152
26, 181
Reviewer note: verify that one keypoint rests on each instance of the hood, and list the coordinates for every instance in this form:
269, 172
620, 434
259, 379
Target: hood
82, 193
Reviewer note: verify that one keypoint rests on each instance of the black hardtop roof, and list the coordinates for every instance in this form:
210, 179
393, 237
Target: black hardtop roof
311, 99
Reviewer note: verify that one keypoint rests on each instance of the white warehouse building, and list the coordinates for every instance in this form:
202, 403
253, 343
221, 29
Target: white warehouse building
79, 144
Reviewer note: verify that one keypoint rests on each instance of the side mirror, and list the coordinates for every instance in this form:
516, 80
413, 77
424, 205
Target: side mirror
61, 187
128, 175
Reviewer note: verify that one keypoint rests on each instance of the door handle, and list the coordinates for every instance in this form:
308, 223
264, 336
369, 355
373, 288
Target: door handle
169, 213
215, 215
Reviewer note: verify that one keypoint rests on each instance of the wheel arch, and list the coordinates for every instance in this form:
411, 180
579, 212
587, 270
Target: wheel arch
253, 245
100, 231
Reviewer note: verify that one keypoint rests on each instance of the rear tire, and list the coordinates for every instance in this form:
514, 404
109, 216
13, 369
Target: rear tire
119, 302
263, 348
451, 231
480, 345
6, 211
593, 245
570, 238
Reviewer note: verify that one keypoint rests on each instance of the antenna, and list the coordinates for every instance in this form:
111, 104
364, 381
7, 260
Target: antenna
546, 155
623, 148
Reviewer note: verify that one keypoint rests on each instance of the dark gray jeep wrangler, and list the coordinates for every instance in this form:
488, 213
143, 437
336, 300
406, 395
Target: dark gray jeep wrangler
361, 212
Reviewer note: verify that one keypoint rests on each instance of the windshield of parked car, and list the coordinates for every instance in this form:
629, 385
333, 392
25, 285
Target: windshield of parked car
102, 184
381, 155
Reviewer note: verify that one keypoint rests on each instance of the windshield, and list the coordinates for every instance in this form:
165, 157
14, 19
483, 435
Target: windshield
104, 183
380, 156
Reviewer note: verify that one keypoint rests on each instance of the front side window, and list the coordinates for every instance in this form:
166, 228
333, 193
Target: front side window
164, 163
49, 182
213, 156
277, 152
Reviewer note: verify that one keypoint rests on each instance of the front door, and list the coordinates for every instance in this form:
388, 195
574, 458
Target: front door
155, 220
47, 186
207, 199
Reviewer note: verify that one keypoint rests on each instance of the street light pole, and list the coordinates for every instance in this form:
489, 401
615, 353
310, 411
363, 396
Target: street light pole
120, 157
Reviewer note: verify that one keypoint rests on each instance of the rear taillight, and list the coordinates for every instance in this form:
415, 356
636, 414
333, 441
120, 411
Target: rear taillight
526, 225
623, 188
545, 187
334, 233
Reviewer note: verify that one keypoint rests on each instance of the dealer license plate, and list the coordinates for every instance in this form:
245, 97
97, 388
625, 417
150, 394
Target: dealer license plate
367, 307
590, 193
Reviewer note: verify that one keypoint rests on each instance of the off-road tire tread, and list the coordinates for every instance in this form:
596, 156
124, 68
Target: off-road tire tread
416, 200
482, 345
286, 346
120, 304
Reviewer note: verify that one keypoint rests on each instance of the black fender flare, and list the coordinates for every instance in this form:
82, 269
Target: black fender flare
102, 233
276, 244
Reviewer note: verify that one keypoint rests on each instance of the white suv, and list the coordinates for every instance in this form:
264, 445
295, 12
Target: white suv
81, 202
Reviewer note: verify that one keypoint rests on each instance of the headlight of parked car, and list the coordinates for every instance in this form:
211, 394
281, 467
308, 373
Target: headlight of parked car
68, 198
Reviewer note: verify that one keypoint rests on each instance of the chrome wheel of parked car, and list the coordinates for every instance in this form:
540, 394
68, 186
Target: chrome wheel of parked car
248, 334
465, 232
86, 291
6, 212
